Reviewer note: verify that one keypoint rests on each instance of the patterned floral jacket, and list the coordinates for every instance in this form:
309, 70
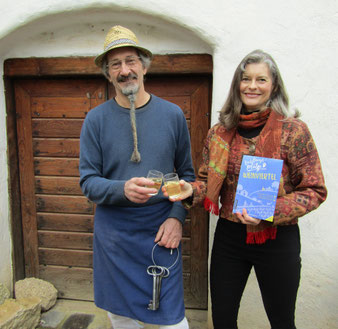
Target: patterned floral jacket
302, 188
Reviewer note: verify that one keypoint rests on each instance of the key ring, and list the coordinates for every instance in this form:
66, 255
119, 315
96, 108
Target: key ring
168, 268
158, 271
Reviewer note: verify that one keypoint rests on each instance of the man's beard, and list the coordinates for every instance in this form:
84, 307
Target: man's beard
130, 90
132, 87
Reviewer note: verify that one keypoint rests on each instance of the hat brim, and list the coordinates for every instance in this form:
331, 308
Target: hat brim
99, 59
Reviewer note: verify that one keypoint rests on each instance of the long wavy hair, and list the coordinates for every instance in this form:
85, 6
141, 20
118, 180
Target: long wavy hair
278, 102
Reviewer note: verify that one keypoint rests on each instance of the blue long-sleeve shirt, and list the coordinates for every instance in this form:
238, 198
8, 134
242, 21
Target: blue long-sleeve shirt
106, 145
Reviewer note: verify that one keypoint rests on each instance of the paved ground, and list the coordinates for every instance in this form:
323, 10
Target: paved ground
68, 314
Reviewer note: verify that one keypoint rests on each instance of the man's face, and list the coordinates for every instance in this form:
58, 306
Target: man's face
125, 69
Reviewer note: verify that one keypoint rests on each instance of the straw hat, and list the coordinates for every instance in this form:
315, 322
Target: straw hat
117, 37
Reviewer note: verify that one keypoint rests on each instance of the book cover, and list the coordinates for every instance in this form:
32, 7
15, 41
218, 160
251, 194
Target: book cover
257, 187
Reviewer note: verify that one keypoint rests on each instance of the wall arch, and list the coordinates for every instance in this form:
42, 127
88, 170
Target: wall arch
81, 33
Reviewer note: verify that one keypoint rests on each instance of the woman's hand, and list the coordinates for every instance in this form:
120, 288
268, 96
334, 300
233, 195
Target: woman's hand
246, 219
186, 191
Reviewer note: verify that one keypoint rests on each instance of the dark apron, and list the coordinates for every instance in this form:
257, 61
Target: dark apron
123, 244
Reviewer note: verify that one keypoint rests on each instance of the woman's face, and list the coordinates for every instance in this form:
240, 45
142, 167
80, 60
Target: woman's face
256, 86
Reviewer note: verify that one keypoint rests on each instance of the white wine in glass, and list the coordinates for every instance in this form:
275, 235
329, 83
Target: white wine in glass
156, 176
172, 184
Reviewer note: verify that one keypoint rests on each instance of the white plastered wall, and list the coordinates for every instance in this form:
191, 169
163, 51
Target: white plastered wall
301, 36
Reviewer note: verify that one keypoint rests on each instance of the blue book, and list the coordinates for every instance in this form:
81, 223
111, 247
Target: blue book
257, 186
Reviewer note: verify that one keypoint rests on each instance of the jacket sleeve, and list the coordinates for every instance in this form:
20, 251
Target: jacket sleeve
303, 186
200, 185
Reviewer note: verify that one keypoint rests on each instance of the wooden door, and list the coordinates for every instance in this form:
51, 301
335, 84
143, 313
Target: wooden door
57, 219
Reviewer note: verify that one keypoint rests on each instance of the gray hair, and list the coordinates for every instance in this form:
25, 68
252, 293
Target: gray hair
278, 102
145, 60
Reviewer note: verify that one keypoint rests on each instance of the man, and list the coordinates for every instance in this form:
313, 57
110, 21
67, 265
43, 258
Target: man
121, 140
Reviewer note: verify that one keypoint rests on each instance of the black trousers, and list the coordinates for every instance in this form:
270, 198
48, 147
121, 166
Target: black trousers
277, 266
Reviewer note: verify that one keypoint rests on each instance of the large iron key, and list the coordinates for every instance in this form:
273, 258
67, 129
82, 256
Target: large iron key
158, 273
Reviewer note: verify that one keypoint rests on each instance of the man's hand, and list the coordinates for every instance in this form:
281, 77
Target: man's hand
246, 219
186, 191
135, 190
169, 234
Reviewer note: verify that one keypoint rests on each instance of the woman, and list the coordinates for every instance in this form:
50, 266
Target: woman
256, 120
